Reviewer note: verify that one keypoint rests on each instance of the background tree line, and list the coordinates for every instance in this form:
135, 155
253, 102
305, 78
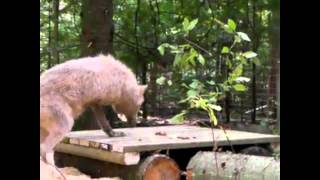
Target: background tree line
133, 30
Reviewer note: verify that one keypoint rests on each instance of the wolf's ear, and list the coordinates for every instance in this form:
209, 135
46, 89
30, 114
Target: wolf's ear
143, 88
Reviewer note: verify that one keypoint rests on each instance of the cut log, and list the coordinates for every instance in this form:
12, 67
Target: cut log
153, 167
211, 165
129, 158
158, 167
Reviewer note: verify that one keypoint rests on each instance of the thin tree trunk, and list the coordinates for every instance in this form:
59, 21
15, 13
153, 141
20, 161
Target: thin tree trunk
227, 98
49, 39
153, 88
56, 4
255, 48
254, 98
275, 59
144, 81
154, 68
144, 65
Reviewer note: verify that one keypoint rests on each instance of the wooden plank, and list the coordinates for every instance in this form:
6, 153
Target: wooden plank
165, 137
129, 158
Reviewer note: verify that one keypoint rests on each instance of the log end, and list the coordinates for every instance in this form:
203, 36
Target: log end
159, 167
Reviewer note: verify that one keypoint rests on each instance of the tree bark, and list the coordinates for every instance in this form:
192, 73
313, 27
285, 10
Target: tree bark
96, 38
96, 27
208, 165
255, 46
144, 64
153, 88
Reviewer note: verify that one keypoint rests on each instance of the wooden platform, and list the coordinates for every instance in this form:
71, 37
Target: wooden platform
126, 149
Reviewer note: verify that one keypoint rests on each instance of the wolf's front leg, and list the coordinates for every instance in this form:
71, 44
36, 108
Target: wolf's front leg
103, 122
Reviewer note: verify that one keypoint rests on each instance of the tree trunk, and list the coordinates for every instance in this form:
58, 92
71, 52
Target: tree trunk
255, 45
144, 81
96, 27
278, 99
96, 38
144, 64
275, 58
153, 88
55, 51
152, 97
211, 165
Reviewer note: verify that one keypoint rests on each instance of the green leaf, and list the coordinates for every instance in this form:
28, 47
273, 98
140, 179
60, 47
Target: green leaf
229, 63
227, 28
213, 100
178, 119
226, 88
212, 116
194, 84
185, 24
232, 25
195, 104
237, 39
249, 54
177, 59
162, 47
192, 93
192, 61
244, 36
192, 24
169, 82
201, 59
240, 87
184, 85
174, 30
203, 104
225, 50
242, 79
238, 71
161, 80
211, 82
161, 50
191, 56
215, 107
256, 61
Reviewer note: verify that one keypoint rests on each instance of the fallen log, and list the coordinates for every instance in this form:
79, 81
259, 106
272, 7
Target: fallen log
211, 165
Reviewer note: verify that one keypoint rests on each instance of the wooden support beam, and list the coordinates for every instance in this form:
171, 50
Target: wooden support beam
151, 167
129, 158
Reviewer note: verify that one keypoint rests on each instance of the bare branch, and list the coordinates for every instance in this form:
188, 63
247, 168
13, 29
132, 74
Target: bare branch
199, 47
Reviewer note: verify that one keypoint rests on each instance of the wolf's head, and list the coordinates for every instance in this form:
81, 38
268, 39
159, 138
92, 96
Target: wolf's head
130, 103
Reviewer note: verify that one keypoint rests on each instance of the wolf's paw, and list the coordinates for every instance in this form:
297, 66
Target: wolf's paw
116, 134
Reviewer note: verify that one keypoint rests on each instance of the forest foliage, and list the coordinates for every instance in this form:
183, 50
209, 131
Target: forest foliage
196, 53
